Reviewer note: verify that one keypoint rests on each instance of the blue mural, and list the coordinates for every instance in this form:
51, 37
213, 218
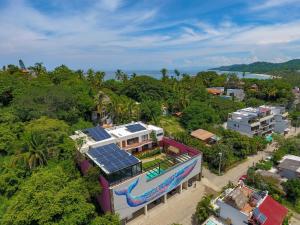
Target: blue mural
167, 185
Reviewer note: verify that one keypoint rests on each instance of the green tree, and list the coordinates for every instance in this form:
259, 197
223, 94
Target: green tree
150, 110
51, 195
204, 209
164, 73
198, 115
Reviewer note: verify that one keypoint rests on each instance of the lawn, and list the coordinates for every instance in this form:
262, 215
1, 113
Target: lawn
151, 163
170, 124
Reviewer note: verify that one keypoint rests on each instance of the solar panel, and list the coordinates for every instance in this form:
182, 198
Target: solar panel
256, 212
111, 158
262, 218
97, 133
135, 128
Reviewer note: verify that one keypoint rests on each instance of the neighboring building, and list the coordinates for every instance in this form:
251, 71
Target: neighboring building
259, 121
127, 188
289, 167
205, 136
244, 205
281, 120
237, 94
215, 90
132, 137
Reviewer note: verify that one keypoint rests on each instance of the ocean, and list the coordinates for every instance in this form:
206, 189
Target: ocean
156, 73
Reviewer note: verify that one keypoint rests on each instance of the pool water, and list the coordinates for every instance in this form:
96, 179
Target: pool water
154, 173
209, 222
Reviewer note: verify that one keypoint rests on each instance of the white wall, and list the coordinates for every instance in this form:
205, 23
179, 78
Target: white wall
227, 211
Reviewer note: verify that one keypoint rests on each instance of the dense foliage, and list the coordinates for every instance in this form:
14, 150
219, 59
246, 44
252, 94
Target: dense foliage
39, 179
263, 67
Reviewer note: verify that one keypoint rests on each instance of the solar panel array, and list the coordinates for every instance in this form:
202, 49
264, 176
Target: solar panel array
135, 128
259, 216
98, 133
111, 158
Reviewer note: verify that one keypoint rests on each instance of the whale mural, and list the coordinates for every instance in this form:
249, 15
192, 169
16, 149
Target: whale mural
166, 186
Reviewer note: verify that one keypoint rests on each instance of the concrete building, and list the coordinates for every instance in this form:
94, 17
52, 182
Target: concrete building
132, 137
289, 167
237, 94
128, 188
259, 121
244, 205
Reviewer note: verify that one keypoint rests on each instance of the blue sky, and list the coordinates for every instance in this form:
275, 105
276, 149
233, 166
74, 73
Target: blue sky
148, 34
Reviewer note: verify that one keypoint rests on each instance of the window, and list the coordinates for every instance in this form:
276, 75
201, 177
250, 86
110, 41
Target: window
159, 134
145, 137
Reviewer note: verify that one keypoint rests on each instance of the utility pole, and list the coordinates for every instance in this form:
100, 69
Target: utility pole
220, 154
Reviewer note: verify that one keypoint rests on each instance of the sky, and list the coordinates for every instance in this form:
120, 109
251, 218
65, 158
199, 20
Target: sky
148, 34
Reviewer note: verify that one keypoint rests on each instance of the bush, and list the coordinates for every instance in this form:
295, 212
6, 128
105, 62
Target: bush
149, 154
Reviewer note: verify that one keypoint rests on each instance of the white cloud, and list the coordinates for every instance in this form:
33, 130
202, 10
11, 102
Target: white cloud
273, 3
103, 37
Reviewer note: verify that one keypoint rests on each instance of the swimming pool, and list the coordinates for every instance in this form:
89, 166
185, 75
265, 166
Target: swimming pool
210, 222
154, 173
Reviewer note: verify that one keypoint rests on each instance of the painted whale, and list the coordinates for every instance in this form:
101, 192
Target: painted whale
166, 186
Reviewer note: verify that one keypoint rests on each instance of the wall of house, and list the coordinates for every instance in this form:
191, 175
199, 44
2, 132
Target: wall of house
280, 124
240, 127
134, 194
227, 211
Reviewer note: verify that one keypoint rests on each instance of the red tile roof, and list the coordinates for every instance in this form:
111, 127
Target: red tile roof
274, 211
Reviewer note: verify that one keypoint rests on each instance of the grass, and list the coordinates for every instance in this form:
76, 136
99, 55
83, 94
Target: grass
154, 162
170, 124
151, 163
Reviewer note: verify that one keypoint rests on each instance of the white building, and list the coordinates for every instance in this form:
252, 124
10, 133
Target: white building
258, 121
132, 137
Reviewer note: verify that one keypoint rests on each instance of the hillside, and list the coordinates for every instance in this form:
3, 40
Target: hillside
262, 67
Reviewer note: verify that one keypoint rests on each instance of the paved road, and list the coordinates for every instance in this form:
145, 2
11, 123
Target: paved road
180, 209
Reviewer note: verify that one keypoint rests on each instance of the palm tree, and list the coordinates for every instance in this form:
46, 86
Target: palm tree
119, 74
99, 76
177, 73
35, 155
38, 69
164, 73
37, 151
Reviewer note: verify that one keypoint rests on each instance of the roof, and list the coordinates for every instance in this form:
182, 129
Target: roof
135, 128
290, 164
202, 134
97, 133
274, 211
214, 91
110, 158
238, 198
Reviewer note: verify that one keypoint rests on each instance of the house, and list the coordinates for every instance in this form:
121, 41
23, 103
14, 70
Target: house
244, 205
289, 167
132, 137
237, 94
260, 121
205, 136
128, 188
215, 90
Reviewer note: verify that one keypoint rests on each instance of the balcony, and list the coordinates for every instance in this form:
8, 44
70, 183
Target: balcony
137, 144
